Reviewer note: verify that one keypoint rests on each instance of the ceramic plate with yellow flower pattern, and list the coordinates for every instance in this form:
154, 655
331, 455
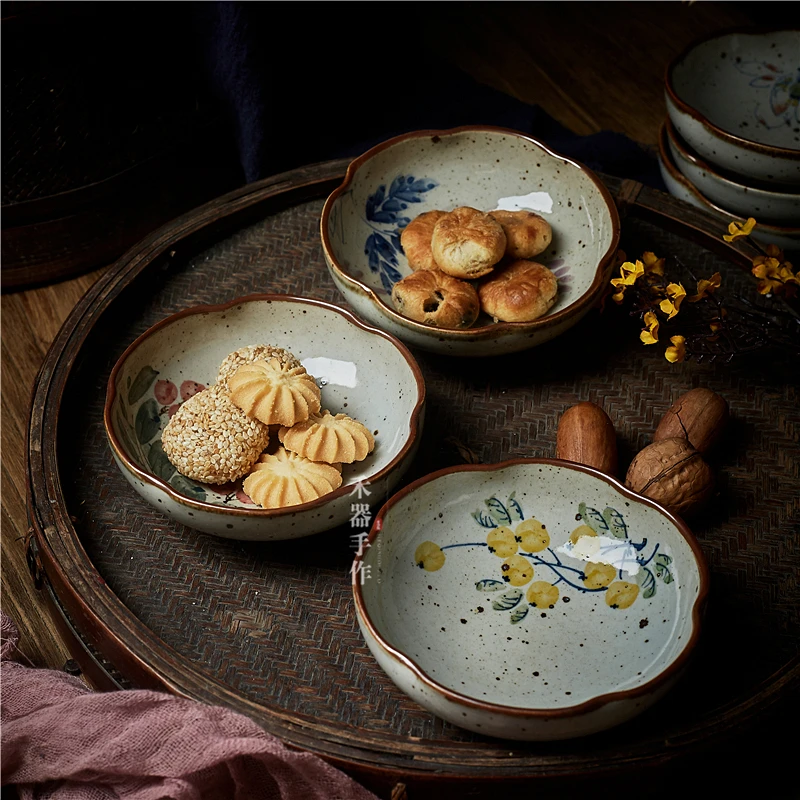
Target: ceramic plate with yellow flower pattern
532, 599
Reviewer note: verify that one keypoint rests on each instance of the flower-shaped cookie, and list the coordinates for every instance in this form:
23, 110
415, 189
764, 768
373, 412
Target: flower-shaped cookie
334, 439
273, 392
253, 352
287, 479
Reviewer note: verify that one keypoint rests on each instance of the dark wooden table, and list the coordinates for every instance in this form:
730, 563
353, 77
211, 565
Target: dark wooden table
592, 66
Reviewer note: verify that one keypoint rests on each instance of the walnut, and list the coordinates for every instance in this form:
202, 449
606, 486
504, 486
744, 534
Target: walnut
672, 473
586, 435
699, 415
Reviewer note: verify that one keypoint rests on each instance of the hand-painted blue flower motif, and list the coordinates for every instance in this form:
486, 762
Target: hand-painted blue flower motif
386, 208
783, 106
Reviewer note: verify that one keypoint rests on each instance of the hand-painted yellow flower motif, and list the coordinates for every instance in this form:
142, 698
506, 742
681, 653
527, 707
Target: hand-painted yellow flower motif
672, 303
580, 532
652, 263
532, 535
650, 334
598, 575
677, 352
517, 571
735, 230
621, 594
502, 542
542, 594
429, 556
705, 287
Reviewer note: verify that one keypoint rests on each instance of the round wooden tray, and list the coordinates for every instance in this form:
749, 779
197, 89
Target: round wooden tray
269, 629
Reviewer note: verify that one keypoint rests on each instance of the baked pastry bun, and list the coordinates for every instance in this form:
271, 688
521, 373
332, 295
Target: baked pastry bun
329, 438
253, 352
211, 440
518, 292
273, 392
434, 298
288, 479
416, 240
527, 234
467, 243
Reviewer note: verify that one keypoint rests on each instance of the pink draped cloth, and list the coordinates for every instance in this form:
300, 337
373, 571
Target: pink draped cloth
62, 741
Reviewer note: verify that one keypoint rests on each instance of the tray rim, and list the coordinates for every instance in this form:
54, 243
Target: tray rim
154, 664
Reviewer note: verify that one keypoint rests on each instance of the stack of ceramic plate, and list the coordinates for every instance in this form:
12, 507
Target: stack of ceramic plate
731, 139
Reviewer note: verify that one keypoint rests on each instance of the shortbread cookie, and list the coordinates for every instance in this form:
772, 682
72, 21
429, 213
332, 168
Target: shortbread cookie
287, 479
522, 291
273, 392
416, 240
434, 298
467, 243
334, 439
527, 234
253, 352
211, 440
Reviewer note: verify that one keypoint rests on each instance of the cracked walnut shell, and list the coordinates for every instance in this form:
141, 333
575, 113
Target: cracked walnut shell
672, 473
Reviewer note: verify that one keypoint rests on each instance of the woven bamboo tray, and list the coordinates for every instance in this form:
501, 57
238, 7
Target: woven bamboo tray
269, 629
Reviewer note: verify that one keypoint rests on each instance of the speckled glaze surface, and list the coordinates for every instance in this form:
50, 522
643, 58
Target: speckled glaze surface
361, 371
486, 168
532, 599
734, 99
681, 187
768, 206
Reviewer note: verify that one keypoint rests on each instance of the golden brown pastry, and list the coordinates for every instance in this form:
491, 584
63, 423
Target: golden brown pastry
434, 298
287, 479
467, 243
253, 352
329, 438
527, 234
211, 440
519, 292
273, 392
416, 240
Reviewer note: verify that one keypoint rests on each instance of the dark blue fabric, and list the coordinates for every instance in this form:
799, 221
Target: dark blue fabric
302, 83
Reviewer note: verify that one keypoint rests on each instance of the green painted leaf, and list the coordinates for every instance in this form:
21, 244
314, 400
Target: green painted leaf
141, 384
148, 422
497, 511
507, 601
489, 585
483, 520
647, 582
593, 518
662, 569
159, 463
616, 523
515, 509
519, 614
187, 487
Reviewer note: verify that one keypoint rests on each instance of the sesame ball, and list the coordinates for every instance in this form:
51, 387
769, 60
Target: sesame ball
211, 440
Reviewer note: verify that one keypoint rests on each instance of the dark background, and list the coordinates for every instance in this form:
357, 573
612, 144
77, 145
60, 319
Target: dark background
121, 115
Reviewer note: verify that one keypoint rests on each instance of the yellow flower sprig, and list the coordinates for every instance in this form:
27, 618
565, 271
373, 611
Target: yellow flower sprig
775, 274
677, 351
713, 328
735, 230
